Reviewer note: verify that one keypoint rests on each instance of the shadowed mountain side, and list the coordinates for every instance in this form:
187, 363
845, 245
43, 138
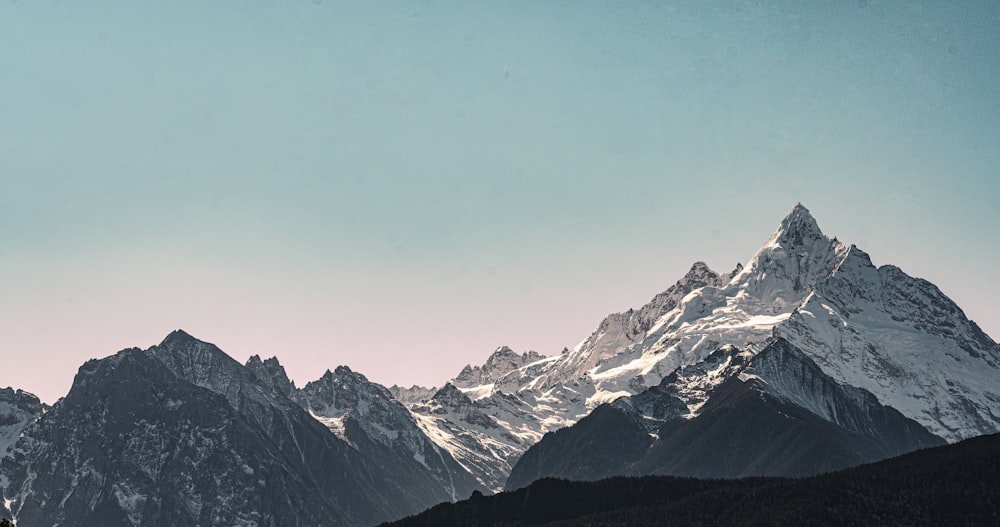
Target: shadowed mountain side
951, 485
133, 443
365, 415
777, 415
600, 445
181, 434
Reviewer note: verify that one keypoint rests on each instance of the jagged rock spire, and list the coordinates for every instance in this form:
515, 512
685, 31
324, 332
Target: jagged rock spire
798, 228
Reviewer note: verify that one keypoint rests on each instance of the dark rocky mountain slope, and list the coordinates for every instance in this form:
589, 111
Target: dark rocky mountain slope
181, 434
950, 485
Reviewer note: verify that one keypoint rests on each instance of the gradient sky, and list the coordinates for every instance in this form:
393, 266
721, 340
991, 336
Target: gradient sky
403, 186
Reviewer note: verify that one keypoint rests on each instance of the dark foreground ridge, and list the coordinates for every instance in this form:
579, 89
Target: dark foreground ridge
951, 485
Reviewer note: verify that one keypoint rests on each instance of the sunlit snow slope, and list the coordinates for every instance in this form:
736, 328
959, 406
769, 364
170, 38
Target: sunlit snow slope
878, 329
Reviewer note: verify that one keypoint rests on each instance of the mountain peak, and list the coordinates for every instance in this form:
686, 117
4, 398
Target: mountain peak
178, 336
450, 396
501, 362
788, 266
272, 373
345, 376
798, 227
798, 211
698, 272
698, 267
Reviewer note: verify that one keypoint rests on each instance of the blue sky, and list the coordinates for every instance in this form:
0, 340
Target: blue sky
403, 186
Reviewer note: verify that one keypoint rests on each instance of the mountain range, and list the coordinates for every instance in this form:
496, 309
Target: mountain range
807, 359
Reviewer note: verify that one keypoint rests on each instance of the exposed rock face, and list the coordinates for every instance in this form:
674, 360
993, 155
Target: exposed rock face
181, 434
18, 410
412, 395
500, 363
271, 373
366, 415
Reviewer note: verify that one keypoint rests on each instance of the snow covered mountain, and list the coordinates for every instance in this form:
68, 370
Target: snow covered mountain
485, 436
875, 329
181, 434
499, 364
482, 427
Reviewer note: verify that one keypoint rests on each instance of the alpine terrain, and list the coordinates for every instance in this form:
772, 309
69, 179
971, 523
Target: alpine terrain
182, 434
807, 359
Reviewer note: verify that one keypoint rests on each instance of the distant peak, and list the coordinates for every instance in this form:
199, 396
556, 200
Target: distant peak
178, 336
699, 267
271, 373
272, 362
448, 388
450, 395
798, 214
345, 374
798, 227
503, 350
698, 272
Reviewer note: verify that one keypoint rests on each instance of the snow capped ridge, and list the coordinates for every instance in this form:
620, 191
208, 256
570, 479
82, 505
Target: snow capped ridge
501, 362
902, 339
343, 390
620, 331
708, 311
485, 436
875, 329
342, 399
634, 350
787, 266
798, 226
